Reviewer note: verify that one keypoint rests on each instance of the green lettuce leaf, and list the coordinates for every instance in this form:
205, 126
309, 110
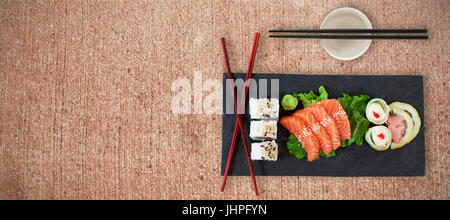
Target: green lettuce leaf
310, 98
323, 94
355, 107
358, 132
331, 154
295, 148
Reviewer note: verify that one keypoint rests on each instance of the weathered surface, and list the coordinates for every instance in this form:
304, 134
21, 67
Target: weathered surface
85, 90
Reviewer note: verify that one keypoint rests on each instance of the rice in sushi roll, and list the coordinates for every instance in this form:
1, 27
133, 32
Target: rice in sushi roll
264, 108
267, 150
263, 130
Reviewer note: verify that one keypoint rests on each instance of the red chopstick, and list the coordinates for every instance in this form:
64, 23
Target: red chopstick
238, 122
239, 116
238, 119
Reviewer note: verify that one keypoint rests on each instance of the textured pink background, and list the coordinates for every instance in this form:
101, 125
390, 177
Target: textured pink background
85, 95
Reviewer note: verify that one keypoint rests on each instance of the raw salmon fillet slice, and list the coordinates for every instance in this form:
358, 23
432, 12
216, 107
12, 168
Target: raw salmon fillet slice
327, 122
300, 129
317, 129
334, 108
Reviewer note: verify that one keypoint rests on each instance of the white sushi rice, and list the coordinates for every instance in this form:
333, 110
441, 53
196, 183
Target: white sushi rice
263, 130
267, 150
264, 108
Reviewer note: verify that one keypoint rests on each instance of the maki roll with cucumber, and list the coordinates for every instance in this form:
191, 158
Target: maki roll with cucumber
379, 137
377, 111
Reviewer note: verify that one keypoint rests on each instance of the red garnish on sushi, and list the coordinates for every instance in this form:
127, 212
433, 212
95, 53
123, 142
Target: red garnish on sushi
376, 115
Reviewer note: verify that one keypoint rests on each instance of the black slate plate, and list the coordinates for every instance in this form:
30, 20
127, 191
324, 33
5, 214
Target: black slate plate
350, 161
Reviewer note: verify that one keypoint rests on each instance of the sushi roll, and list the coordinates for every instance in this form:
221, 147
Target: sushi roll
377, 111
267, 150
264, 108
379, 137
263, 130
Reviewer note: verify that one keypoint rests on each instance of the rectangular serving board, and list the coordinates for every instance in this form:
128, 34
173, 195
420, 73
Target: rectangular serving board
349, 161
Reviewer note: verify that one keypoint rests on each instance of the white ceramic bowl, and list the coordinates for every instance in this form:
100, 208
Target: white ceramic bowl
345, 18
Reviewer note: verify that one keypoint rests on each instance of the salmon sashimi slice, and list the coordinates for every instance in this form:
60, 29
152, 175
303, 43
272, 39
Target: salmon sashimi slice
317, 129
327, 122
300, 129
334, 108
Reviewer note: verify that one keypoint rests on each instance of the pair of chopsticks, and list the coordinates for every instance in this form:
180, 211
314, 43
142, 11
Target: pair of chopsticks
354, 34
239, 125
